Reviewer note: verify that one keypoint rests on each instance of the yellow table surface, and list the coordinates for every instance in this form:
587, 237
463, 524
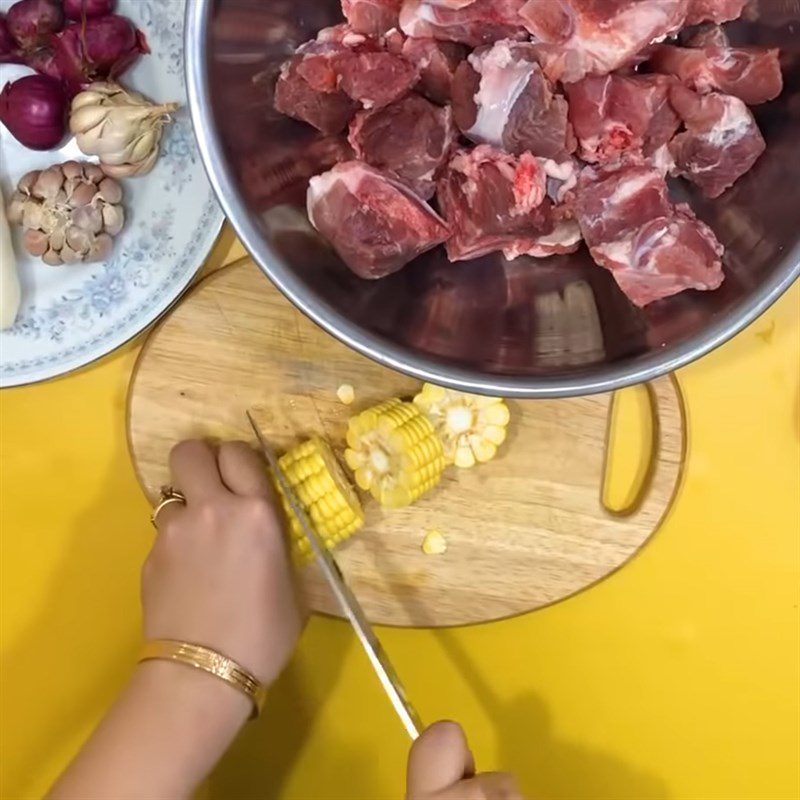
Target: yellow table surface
678, 677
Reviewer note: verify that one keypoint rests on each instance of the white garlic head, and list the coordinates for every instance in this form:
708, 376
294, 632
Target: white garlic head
121, 127
69, 212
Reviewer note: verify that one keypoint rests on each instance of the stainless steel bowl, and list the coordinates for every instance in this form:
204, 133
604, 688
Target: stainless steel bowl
525, 328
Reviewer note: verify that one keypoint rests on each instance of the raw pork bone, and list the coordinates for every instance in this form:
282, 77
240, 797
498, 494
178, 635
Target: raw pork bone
494, 201
372, 17
474, 24
721, 143
437, 63
714, 10
753, 74
621, 115
411, 138
576, 38
375, 223
501, 97
323, 83
653, 249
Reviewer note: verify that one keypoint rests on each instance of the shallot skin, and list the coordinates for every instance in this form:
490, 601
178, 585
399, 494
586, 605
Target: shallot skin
32, 22
34, 108
9, 50
76, 10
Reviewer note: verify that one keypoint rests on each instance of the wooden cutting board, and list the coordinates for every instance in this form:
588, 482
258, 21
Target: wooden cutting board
523, 531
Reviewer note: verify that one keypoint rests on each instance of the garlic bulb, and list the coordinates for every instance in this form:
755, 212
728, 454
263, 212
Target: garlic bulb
121, 127
69, 212
9, 279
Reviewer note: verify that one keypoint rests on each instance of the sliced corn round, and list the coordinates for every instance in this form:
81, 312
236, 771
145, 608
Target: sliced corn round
394, 453
327, 497
470, 426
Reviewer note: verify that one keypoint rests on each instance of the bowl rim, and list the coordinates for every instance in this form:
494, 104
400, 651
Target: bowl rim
603, 378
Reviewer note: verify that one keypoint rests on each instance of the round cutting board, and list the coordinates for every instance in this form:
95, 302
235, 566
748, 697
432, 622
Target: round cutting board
523, 531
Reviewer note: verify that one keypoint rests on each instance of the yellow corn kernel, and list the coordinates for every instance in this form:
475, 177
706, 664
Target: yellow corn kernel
346, 394
471, 427
434, 543
394, 453
327, 497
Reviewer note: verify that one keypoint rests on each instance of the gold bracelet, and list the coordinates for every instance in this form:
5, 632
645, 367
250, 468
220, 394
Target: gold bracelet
210, 661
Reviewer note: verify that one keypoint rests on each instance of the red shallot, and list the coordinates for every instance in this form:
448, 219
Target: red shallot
32, 22
96, 49
34, 109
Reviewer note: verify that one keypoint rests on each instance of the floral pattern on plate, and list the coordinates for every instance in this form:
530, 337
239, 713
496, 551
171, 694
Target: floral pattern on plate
73, 315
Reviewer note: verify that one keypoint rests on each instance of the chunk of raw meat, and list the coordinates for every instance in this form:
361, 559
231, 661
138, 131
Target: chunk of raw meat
621, 115
328, 110
611, 202
476, 23
714, 10
576, 38
664, 257
411, 138
375, 223
721, 143
653, 249
753, 74
437, 63
493, 201
501, 97
340, 61
376, 79
373, 17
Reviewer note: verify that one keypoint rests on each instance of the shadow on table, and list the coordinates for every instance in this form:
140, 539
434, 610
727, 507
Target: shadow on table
265, 754
530, 748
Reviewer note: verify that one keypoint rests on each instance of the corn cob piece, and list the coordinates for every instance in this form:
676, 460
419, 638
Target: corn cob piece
394, 453
327, 497
470, 426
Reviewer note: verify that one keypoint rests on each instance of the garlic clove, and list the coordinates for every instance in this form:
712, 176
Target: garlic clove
35, 242
52, 258
16, 208
110, 191
102, 247
82, 195
90, 218
93, 173
27, 181
72, 170
32, 216
78, 239
69, 256
113, 219
48, 184
57, 238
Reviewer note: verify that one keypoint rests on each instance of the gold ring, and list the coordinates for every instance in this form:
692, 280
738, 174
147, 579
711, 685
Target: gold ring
168, 495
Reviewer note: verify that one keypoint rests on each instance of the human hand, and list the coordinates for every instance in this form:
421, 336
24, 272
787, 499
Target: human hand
441, 767
218, 574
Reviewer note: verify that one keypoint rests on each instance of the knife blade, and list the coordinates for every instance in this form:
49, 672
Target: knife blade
347, 600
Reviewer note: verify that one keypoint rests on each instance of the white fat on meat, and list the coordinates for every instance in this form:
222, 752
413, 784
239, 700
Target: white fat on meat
565, 238
599, 45
735, 123
503, 80
417, 18
561, 178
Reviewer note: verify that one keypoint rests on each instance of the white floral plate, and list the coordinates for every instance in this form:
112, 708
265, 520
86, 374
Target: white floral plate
72, 315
